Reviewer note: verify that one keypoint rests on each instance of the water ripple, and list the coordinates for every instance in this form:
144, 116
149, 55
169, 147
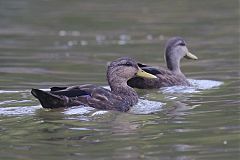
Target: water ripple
146, 107
19, 111
78, 110
143, 107
197, 86
14, 102
5, 91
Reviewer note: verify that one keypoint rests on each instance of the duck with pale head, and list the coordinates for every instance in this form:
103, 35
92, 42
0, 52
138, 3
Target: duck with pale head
175, 50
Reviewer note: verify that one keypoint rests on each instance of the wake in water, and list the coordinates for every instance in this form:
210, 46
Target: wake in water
146, 107
143, 106
197, 86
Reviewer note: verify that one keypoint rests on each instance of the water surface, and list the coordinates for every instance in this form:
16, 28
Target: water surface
60, 43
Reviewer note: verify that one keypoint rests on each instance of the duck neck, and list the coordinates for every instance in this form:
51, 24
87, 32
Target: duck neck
119, 87
173, 63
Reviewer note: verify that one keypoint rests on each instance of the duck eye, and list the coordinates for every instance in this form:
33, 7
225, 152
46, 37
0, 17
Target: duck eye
182, 44
128, 64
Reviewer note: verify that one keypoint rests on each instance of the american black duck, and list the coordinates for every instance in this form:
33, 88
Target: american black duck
120, 98
175, 50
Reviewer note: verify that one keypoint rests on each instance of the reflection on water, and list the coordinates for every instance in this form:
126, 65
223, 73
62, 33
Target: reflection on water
63, 43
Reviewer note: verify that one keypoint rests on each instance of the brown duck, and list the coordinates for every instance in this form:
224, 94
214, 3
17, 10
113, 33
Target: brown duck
120, 98
175, 50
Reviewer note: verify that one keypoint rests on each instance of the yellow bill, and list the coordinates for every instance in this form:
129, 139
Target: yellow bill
191, 56
142, 73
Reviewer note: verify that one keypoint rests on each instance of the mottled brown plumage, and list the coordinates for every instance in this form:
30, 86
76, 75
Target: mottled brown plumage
120, 98
175, 50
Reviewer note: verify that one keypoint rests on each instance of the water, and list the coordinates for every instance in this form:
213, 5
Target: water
61, 43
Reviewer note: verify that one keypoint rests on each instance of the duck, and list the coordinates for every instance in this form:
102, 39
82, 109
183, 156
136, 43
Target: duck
175, 50
121, 97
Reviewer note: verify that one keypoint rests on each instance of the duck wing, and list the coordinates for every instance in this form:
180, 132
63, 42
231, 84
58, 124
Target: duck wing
70, 93
144, 83
104, 99
165, 78
57, 88
59, 98
149, 69
89, 95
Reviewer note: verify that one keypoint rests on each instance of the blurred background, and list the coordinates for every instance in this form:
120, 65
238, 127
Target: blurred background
71, 41
47, 43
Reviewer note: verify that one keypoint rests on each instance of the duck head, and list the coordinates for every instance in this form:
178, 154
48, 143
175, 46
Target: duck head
175, 50
123, 69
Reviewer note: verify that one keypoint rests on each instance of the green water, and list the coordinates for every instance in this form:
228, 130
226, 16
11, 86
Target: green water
58, 43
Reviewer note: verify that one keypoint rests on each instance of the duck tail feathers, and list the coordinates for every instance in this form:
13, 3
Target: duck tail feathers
47, 99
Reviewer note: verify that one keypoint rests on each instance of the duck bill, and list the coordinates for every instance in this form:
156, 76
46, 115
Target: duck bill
191, 56
142, 73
